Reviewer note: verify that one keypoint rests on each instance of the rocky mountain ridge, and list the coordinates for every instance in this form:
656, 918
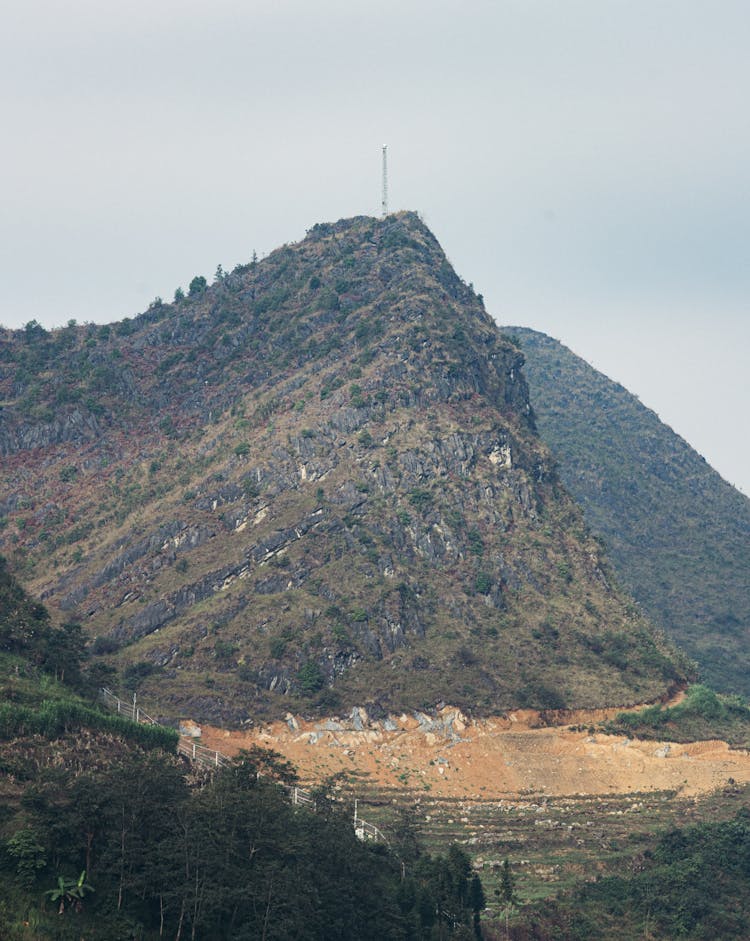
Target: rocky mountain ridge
314, 484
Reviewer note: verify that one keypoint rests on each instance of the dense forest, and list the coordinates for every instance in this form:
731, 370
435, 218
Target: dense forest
130, 849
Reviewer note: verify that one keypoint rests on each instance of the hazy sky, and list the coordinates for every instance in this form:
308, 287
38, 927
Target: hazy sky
585, 163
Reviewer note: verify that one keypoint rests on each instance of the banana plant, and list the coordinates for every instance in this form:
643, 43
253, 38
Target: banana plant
69, 892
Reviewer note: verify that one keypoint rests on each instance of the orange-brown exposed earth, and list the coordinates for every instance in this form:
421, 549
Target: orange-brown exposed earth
519, 753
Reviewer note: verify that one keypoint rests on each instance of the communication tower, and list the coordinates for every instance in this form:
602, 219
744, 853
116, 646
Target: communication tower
385, 181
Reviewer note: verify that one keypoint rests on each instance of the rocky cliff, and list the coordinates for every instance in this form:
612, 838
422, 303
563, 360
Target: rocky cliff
313, 484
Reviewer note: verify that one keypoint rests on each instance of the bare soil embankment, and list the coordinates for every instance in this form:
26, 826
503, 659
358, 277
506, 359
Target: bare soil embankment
452, 756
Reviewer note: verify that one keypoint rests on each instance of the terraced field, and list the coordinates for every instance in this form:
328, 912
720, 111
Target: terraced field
552, 843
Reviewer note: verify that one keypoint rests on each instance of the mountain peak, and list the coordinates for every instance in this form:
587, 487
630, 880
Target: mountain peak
314, 484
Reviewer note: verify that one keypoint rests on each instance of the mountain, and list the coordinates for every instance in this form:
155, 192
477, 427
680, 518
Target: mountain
313, 484
677, 533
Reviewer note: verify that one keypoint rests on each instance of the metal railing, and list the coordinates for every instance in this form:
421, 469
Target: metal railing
131, 710
298, 795
364, 830
185, 746
368, 831
200, 754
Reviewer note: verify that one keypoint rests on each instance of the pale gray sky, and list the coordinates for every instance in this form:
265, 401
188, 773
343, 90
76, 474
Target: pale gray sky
585, 163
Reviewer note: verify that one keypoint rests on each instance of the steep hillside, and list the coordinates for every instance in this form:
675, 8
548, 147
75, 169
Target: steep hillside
677, 533
312, 485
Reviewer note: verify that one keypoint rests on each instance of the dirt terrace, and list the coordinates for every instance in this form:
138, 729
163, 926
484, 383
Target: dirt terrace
452, 756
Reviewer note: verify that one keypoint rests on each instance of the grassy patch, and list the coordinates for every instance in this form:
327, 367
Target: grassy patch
703, 714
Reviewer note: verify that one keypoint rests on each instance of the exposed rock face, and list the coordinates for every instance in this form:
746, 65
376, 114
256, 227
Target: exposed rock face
317, 483
66, 426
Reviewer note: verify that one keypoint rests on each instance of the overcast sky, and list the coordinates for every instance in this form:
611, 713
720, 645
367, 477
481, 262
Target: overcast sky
585, 163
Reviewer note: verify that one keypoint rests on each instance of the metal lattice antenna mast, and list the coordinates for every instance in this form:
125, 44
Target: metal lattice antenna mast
385, 180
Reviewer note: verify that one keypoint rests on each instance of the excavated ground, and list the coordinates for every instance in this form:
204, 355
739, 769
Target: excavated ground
520, 753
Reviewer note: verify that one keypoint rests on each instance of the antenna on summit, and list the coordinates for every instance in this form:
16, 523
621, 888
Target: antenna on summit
385, 181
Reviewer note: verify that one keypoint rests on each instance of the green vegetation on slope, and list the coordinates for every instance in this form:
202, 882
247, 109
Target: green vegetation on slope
695, 884
25, 631
703, 714
677, 533
62, 716
44, 673
231, 859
